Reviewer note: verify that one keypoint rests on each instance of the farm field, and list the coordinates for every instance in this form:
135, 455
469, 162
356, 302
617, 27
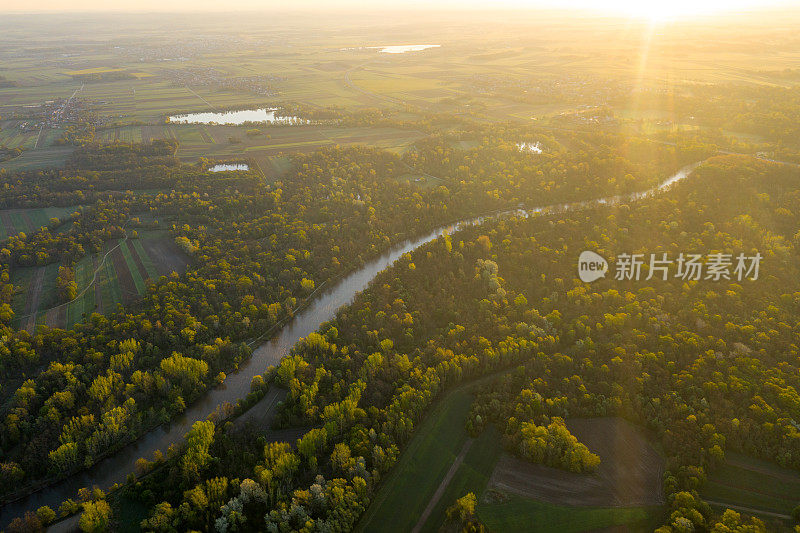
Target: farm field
14, 221
55, 156
750, 483
521, 514
40, 150
514, 494
215, 141
471, 476
629, 474
117, 275
312, 71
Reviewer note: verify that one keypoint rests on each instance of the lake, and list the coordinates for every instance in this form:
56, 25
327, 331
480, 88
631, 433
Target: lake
264, 114
222, 167
403, 48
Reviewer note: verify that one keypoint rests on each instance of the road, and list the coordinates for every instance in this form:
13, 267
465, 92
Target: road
349, 83
442, 487
201, 98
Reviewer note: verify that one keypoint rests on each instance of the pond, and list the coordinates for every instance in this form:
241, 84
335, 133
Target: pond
223, 167
534, 148
263, 114
403, 48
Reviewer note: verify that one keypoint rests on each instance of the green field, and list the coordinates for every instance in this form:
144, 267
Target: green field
754, 484
214, 141
84, 270
471, 476
407, 490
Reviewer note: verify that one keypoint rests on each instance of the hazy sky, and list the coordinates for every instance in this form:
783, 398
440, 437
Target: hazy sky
642, 8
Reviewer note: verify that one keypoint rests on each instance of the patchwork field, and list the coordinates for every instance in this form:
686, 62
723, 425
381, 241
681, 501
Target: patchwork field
490, 82
40, 150
332, 71
217, 142
117, 275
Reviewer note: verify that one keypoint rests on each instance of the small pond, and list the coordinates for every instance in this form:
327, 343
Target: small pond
534, 148
223, 167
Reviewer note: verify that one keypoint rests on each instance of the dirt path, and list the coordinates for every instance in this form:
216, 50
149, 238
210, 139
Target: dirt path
348, 82
32, 300
36, 144
749, 510
201, 98
735, 461
62, 308
442, 487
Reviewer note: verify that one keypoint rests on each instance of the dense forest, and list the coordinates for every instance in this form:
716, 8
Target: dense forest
431, 268
257, 249
707, 366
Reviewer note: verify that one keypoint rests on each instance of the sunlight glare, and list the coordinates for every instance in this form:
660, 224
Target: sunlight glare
659, 11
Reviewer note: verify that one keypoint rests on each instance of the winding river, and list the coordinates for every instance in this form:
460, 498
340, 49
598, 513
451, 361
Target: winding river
322, 308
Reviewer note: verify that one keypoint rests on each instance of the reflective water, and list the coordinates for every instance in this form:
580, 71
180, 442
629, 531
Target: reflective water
264, 114
534, 148
321, 309
222, 167
403, 48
